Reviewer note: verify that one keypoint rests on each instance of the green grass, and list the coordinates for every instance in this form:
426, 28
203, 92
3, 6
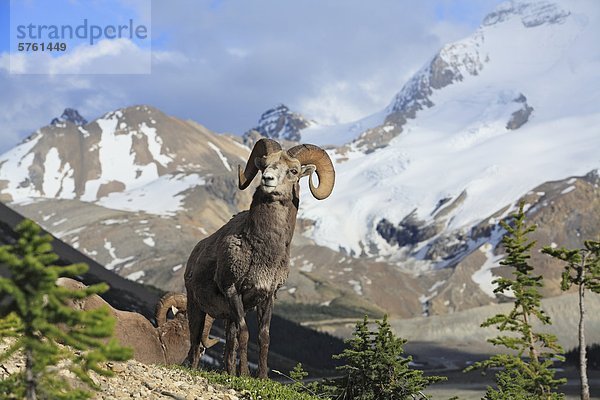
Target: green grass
252, 388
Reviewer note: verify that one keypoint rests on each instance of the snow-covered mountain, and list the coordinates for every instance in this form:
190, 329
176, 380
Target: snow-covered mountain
133, 189
489, 118
508, 113
118, 161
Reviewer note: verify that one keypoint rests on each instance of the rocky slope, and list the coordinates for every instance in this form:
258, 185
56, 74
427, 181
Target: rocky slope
139, 381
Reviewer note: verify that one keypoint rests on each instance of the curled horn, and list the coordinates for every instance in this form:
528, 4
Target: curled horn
311, 154
179, 300
208, 342
261, 148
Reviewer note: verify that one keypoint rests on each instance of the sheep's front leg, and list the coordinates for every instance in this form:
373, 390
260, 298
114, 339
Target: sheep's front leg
264, 312
237, 330
230, 347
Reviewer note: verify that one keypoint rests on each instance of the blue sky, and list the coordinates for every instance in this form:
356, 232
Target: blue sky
4, 25
224, 62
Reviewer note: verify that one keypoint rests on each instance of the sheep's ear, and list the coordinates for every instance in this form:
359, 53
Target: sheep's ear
174, 310
307, 170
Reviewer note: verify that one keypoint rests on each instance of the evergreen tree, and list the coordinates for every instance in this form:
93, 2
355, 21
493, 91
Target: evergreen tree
375, 368
34, 312
528, 374
583, 271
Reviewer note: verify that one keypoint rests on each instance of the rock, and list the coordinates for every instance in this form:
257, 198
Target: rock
280, 123
70, 115
137, 381
117, 367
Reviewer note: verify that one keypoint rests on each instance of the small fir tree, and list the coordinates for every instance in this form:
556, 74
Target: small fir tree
583, 271
528, 374
375, 368
34, 312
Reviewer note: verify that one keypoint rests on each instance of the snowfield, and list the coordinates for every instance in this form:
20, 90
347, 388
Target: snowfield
462, 141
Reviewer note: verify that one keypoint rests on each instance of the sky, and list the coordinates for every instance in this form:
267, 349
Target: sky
223, 63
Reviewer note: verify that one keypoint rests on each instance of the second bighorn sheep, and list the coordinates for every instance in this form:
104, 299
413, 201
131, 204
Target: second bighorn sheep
166, 344
242, 265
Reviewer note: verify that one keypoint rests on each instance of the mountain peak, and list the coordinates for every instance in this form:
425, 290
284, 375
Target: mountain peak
280, 122
70, 115
531, 13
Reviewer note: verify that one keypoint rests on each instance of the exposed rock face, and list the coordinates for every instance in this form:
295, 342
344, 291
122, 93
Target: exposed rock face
521, 116
409, 231
70, 115
280, 123
532, 14
565, 213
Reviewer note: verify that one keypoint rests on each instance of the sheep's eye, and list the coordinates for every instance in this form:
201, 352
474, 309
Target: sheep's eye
294, 171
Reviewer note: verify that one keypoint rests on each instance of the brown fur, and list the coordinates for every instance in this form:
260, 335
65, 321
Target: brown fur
244, 263
166, 344
241, 266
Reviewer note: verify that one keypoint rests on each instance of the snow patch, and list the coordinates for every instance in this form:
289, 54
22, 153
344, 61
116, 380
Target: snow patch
163, 196
155, 144
356, 286
135, 276
568, 190
116, 260
117, 159
114, 221
484, 276
14, 168
58, 179
306, 266
221, 156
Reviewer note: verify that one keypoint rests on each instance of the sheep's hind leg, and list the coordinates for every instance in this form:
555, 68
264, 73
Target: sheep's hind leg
196, 322
264, 313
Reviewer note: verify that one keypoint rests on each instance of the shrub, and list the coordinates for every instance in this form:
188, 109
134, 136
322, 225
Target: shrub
34, 312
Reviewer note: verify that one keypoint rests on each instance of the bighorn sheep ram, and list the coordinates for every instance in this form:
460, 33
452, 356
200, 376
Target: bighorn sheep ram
242, 265
166, 344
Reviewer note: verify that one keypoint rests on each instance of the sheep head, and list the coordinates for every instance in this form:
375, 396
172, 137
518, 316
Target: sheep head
281, 170
176, 302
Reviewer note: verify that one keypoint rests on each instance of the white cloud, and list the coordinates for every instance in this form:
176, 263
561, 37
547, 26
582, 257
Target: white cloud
224, 63
238, 52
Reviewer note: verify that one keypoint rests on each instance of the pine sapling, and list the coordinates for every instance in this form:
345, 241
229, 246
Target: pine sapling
582, 270
376, 368
531, 366
35, 314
